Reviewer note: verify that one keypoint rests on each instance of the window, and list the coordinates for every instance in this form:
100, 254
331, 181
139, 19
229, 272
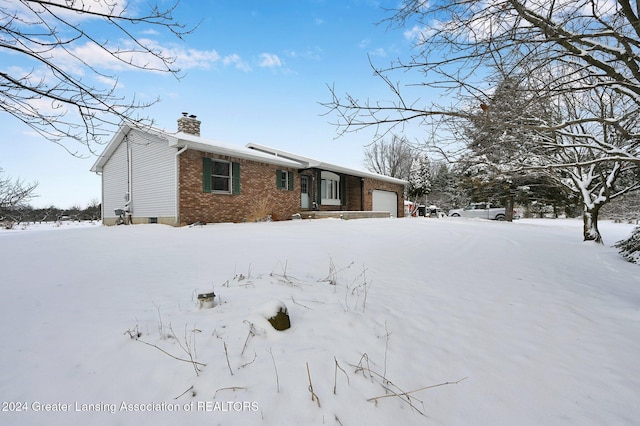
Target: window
284, 180
220, 176
330, 189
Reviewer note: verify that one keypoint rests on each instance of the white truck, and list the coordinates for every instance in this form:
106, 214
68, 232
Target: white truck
480, 210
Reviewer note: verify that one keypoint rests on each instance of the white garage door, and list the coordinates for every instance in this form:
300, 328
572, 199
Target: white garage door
385, 201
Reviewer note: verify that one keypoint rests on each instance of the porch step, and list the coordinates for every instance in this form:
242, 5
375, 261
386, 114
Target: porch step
344, 214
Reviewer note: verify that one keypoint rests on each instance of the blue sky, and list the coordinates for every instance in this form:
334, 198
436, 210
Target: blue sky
254, 71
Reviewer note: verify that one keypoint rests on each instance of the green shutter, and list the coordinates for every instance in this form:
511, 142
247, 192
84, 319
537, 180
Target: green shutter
318, 188
279, 179
235, 177
290, 181
206, 174
343, 190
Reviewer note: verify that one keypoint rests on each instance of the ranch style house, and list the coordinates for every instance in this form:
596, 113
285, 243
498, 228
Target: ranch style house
180, 178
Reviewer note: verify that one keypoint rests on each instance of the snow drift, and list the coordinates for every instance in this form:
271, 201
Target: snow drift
519, 323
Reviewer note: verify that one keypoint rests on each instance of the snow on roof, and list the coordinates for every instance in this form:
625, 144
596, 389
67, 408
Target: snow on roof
181, 139
251, 151
209, 145
317, 164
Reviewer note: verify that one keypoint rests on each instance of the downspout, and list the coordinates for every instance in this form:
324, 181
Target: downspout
99, 173
127, 205
361, 194
183, 149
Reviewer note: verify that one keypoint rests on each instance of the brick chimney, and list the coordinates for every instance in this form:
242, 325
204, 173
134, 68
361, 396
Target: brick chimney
188, 124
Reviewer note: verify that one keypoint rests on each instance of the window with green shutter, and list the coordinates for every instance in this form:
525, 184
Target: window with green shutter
206, 174
284, 180
220, 176
280, 175
236, 178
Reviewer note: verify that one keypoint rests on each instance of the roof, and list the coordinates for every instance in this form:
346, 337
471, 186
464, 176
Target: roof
180, 140
251, 151
318, 164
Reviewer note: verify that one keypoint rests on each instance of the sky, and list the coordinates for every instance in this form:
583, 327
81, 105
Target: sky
252, 71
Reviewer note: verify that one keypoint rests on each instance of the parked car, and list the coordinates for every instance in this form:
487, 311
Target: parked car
481, 210
434, 211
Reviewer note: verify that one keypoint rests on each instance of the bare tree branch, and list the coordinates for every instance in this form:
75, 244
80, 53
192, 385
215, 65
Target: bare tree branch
579, 59
15, 193
49, 35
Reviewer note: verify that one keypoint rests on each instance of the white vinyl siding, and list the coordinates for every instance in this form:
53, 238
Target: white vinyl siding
153, 180
114, 182
153, 176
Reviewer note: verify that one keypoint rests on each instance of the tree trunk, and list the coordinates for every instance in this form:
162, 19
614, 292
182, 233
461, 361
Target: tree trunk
590, 219
508, 209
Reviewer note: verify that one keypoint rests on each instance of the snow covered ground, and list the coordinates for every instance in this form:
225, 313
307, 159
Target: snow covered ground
535, 326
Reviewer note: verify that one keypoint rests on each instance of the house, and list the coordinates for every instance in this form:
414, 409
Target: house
180, 178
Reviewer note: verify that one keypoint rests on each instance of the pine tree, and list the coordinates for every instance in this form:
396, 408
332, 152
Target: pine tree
630, 248
420, 178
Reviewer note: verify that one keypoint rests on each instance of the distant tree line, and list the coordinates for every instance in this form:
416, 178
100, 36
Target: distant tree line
474, 179
27, 214
15, 195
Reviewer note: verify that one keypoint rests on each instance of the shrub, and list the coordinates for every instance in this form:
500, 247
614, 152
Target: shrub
630, 248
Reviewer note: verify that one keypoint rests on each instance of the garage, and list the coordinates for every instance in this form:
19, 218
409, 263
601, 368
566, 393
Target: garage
385, 201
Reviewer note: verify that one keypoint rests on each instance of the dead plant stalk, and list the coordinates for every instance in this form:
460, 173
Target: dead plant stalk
314, 397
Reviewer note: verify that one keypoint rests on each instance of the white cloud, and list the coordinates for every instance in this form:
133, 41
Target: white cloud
314, 53
378, 52
73, 15
150, 31
194, 58
97, 57
414, 32
235, 60
270, 60
110, 82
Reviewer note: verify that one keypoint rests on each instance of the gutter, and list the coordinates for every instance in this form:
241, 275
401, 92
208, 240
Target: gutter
180, 151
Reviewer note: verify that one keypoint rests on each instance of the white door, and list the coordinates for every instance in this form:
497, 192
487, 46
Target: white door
385, 201
304, 192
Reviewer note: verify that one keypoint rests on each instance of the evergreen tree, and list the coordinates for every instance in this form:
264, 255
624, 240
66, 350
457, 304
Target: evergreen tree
630, 248
501, 146
446, 192
420, 178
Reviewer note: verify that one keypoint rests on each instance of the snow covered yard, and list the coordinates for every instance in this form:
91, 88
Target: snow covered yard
536, 326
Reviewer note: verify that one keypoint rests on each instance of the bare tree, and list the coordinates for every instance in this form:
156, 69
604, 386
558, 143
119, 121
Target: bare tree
390, 158
53, 94
585, 152
14, 194
581, 56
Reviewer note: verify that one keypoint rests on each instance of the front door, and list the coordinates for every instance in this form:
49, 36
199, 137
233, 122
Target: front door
304, 192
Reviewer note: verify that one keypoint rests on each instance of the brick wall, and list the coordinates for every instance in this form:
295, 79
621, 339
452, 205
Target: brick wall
258, 196
371, 184
353, 191
353, 187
